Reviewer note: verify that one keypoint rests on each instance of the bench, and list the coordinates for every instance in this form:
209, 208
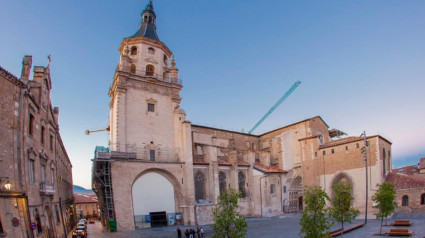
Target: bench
340, 230
398, 232
401, 223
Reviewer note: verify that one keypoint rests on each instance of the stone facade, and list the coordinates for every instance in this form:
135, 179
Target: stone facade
33, 158
86, 205
149, 133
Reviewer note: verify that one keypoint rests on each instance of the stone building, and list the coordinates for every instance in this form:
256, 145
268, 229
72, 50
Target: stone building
161, 169
33, 159
86, 205
409, 182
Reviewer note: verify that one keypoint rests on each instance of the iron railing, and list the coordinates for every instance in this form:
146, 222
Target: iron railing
47, 188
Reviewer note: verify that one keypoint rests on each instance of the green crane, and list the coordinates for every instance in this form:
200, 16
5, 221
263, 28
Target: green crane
276, 105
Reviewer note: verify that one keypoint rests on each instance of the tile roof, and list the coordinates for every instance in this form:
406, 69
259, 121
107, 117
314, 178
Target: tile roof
402, 181
85, 198
407, 170
268, 169
342, 141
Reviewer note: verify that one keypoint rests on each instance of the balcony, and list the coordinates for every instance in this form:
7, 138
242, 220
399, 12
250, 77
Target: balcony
149, 74
47, 188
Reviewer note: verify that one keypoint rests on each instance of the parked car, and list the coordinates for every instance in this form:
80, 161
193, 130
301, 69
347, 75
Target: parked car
79, 232
91, 220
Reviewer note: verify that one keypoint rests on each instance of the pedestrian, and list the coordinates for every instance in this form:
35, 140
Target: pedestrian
202, 232
198, 230
186, 233
191, 233
179, 232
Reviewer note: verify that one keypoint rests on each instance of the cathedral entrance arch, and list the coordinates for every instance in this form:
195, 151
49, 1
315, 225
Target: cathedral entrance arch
345, 178
296, 195
154, 196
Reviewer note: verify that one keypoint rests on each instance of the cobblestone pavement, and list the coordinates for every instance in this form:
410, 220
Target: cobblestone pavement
284, 226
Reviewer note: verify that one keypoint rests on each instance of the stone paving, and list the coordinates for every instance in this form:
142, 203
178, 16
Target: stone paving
284, 226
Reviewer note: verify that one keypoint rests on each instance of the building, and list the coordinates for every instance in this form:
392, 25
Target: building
33, 159
86, 205
161, 169
409, 182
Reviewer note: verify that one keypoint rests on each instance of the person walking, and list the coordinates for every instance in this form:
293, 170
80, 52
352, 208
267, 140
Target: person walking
179, 232
186, 233
198, 230
202, 232
191, 233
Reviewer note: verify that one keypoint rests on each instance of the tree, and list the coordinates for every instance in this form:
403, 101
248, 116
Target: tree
228, 223
315, 221
342, 209
385, 200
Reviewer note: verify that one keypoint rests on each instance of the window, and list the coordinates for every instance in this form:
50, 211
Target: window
151, 50
133, 68
1, 228
324, 152
320, 137
222, 181
43, 170
405, 201
241, 179
145, 19
151, 107
423, 199
31, 168
150, 70
199, 186
51, 142
315, 154
272, 189
333, 151
357, 145
152, 155
42, 134
53, 176
346, 148
165, 59
284, 189
31, 125
133, 50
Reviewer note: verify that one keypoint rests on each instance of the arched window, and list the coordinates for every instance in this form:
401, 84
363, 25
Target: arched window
133, 50
405, 201
241, 179
133, 68
151, 50
150, 70
150, 19
145, 19
423, 199
222, 181
383, 161
199, 186
165, 60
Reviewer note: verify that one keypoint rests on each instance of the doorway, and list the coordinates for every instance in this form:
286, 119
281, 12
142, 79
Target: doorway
300, 203
158, 219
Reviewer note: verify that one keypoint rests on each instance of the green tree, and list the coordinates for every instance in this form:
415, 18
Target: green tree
315, 221
385, 200
342, 210
228, 223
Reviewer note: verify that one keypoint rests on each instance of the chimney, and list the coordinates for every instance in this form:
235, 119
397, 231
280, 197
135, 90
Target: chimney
38, 73
26, 68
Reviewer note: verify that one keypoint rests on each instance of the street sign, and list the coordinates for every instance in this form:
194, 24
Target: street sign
15, 222
33, 225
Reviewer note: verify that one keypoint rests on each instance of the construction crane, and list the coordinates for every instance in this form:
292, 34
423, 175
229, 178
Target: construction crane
106, 129
276, 105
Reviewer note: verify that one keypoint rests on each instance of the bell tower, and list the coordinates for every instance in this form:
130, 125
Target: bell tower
145, 114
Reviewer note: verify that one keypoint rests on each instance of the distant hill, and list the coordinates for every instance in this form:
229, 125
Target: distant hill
79, 189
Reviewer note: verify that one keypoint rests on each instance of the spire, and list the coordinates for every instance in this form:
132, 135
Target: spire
147, 27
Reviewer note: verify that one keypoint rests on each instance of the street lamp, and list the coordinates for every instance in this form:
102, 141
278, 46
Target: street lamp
364, 152
7, 185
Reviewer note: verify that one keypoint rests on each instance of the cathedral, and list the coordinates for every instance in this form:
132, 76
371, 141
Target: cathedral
160, 169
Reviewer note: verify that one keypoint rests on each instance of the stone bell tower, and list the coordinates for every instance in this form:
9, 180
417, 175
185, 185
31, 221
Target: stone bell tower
145, 114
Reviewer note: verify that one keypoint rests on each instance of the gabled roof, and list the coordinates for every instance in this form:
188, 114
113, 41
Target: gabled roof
318, 117
402, 181
407, 170
85, 198
349, 139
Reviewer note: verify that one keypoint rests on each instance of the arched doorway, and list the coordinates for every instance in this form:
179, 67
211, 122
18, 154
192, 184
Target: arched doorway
153, 200
342, 177
49, 222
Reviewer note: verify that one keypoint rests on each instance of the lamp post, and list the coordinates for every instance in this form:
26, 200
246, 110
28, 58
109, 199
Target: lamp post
364, 152
7, 185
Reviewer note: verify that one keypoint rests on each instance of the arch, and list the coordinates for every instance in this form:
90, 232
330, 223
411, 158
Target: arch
295, 194
49, 221
165, 59
405, 201
423, 199
151, 50
132, 68
199, 186
241, 182
133, 50
150, 70
222, 181
342, 177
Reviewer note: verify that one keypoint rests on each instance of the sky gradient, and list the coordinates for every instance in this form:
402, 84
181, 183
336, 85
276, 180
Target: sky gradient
361, 64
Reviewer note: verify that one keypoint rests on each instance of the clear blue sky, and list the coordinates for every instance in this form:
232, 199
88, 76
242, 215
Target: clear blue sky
361, 63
